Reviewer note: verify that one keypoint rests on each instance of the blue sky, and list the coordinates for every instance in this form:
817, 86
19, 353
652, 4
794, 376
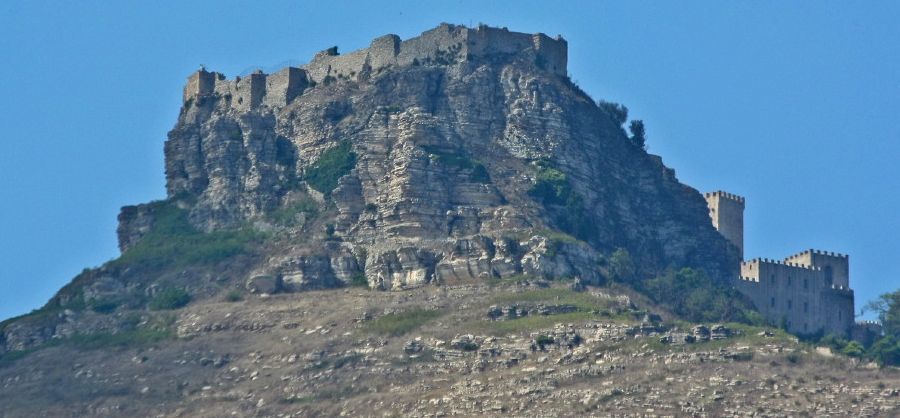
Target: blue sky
795, 105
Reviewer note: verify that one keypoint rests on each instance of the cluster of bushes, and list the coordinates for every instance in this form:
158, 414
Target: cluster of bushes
552, 189
173, 242
330, 167
170, 298
884, 350
619, 115
477, 171
688, 292
288, 215
402, 322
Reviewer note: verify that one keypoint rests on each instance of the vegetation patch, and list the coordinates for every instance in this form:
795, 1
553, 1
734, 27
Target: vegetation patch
530, 323
289, 215
477, 171
126, 339
173, 242
170, 298
234, 296
552, 189
402, 322
359, 280
581, 300
330, 167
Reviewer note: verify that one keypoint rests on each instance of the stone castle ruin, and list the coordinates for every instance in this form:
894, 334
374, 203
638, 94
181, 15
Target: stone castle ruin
445, 44
807, 293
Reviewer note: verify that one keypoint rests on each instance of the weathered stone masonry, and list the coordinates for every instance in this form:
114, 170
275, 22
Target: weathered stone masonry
444, 44
808, 292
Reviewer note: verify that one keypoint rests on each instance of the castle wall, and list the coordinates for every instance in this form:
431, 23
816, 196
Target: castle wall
553, 53
383, 51
797, 296
444, 44
199, 83
283, 86
727, 213
836, 266
445, 38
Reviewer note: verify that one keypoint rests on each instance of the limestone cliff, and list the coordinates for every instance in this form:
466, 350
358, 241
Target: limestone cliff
459, 156
447, 146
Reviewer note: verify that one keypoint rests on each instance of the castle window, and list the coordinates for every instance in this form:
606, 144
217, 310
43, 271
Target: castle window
804, 327
772, 279
840, 315
773, 302
789, 280
790, 304
829, 276
806, 283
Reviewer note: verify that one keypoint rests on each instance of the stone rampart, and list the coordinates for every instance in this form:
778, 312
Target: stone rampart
797, 295
442, 45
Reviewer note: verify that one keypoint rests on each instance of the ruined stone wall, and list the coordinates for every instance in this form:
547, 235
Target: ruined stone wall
283, 86
252, 91
552, 53
444, 43
727, 213
798, 296
199, 83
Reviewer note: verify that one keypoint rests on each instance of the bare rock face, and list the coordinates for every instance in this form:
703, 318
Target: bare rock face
446, 158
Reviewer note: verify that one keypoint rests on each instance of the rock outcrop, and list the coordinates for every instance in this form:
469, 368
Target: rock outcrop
447, 155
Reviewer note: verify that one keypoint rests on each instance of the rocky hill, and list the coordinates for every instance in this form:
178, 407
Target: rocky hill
461, 171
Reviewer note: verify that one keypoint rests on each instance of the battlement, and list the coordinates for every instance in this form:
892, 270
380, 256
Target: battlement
784, 263
866, 322
442, 45
724, 195
817, 252
726, 210
251, 91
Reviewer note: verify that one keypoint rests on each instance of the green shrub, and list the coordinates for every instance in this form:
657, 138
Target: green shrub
542, 340
287, 216
359, 280
694, 296
170, 298
234, 296
103, 305
331, 166
638, 133
125, 339
173, 242
617, 112
457, 160
621, 266
402, 322
552, 189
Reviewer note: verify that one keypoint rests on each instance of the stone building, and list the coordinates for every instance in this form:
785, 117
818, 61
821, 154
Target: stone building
807, 293
444, 45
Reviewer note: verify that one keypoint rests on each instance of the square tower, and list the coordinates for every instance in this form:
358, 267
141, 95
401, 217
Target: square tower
727, 213
835, 266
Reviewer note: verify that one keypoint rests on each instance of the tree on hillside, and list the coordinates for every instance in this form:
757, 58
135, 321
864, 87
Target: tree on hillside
638, 133
886, 350
888, 308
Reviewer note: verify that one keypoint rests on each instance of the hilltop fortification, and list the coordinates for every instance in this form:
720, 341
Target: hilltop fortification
445, 44
807, 293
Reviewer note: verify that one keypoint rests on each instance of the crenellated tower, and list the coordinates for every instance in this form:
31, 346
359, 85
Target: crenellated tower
727, 213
